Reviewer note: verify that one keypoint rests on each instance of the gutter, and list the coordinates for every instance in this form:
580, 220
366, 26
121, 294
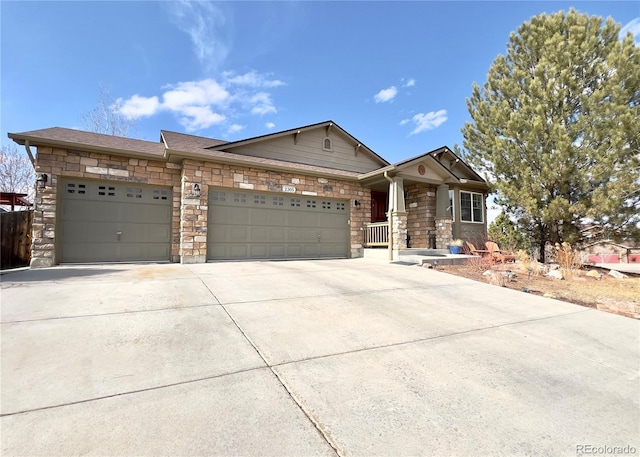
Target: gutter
31, 141
27, 147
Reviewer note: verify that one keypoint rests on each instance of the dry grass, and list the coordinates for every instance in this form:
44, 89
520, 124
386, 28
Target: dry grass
569, 260
621, 296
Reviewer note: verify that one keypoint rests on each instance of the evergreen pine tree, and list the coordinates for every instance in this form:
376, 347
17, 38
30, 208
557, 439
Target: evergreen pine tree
556, 127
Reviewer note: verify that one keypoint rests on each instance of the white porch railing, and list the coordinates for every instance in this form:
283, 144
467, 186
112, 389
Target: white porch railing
376, 234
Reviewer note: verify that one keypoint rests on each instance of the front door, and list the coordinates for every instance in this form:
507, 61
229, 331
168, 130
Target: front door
379, 205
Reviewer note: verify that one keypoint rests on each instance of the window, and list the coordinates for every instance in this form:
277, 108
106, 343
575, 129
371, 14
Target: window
452, 207
471, 207
326, 144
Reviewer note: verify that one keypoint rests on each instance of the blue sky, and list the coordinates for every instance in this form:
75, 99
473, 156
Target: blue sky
393, 74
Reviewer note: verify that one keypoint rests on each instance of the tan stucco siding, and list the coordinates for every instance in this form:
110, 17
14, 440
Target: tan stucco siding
308, 149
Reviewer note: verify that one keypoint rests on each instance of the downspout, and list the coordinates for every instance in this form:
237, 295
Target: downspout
28, 149
391, 200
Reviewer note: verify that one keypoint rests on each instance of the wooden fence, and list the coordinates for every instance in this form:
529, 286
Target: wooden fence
15, 238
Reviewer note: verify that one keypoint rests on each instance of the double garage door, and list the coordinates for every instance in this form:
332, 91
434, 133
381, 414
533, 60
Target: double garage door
106, 221
255, 225
114, 222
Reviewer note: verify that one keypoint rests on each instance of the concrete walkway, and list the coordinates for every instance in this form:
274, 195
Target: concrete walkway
335, 357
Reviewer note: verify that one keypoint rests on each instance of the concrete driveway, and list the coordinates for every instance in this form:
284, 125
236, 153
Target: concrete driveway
334, 357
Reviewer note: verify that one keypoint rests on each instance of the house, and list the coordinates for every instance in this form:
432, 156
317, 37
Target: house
310, 192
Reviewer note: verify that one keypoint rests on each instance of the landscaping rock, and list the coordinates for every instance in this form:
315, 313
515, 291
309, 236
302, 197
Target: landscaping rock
616, 274
555, 274
594, 274
496, 278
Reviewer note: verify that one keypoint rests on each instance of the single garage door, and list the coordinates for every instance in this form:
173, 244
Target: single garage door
114, 222
254, 225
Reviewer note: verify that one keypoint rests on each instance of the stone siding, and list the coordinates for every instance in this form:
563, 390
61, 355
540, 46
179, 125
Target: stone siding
189, 212
443, 232
421, 210
209, 174
399, 231
59, 163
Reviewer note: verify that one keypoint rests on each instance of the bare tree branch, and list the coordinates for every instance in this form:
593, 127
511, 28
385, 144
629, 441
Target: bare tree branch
16, 172
107, 116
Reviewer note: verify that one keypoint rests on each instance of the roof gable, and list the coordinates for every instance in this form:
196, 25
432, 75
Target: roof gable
306, 145
184, 142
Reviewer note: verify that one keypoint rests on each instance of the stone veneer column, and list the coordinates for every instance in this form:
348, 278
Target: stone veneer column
399, 230
444, 233
44, 224
193, 215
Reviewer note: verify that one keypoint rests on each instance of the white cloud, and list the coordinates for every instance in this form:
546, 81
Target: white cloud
262, 104
202, 104
386, 95
138, 106
270, 125
252, 79
199, 117
199, 93
410, 83
633, 27
427, 121
205, 23
235, 128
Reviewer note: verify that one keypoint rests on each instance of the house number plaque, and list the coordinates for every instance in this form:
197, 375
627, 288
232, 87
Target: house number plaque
289, 189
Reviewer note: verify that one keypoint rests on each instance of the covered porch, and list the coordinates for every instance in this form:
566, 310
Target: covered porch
423, 208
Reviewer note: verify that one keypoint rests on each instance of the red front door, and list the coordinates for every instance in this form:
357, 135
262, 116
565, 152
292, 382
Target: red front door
379, 204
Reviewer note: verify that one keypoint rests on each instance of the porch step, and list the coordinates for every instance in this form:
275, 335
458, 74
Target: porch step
446, 259
419, 256
425, 252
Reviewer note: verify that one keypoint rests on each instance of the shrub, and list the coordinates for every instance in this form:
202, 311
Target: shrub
568, 259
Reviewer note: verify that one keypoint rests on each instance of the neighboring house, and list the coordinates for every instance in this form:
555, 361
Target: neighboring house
9, 201
608, 251
311, 192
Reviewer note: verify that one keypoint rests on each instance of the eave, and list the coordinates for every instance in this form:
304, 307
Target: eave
72, 145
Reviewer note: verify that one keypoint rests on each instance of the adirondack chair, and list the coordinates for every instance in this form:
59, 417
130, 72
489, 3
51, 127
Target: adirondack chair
470, 249
498, 254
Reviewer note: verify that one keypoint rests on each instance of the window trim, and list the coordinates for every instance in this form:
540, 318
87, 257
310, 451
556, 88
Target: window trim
452, 204
324, 142
482, 207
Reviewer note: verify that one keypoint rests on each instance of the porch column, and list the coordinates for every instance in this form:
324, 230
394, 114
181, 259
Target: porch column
444, 219
397, 215
442, 201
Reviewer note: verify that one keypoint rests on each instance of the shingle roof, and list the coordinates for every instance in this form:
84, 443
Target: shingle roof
178, 144
184, 142
97, 141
